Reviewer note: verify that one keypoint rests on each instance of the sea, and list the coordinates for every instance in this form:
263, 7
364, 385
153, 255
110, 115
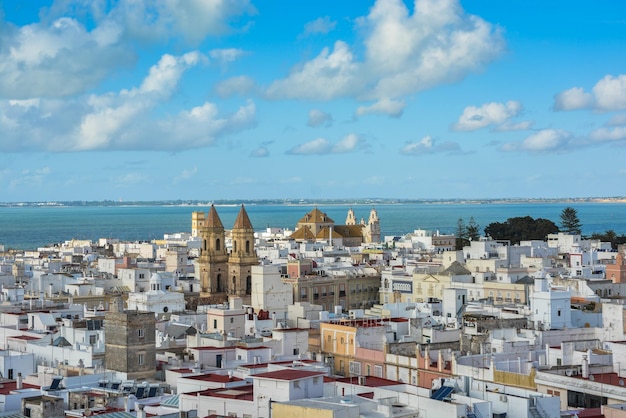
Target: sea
33, 227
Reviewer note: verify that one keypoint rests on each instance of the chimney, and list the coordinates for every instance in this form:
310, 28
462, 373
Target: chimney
440, 360
18, 381
585, 368
140, 412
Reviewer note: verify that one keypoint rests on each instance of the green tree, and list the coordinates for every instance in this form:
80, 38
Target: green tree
521, 229
472, 230
610, 236
461, 234
570, 223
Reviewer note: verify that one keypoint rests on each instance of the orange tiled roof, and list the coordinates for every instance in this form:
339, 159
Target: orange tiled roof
316, 216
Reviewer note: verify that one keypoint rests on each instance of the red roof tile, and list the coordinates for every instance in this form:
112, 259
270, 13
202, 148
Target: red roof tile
288, 374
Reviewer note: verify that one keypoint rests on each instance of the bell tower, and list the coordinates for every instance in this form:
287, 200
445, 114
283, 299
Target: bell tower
242, 257
350, 219
213, 260
373, 227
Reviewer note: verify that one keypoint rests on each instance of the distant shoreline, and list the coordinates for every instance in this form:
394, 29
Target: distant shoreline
308, 202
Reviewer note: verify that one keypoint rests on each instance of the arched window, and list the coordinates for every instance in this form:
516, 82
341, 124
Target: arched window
219, 282
247, 246
204, 245
217, 244
234, 246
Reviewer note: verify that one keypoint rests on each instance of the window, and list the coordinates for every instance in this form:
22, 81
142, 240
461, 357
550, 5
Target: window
140, 333
355, 368
141, 359
215, 323
232, 320
296, 351
93, 339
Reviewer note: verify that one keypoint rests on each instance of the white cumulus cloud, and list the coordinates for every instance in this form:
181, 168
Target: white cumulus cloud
240, 85
572, 99
393, 108
57, 59
428, 145
121, 120
321, 25
322, 146
193, 20
608, 94
545, 140
493, 113
404, 53
318, 118
617, 133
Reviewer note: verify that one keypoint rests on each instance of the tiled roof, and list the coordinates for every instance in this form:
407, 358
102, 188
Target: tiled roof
213, 219
212, 377
242, 221
342, 231
288, 374
456, 269
10, 385
303, 233
316, 216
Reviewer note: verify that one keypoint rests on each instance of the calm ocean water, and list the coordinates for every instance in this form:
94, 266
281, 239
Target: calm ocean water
30, 227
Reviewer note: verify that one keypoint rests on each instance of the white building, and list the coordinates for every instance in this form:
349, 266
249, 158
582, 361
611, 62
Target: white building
268, 290
156, 299
550, 305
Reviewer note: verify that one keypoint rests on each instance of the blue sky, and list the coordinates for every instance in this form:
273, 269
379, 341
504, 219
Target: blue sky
245, 99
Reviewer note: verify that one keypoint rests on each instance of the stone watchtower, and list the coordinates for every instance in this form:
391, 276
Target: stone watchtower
213, 261
130, 342
243, 256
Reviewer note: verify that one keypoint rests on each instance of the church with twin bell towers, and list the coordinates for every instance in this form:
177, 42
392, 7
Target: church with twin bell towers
223, 273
